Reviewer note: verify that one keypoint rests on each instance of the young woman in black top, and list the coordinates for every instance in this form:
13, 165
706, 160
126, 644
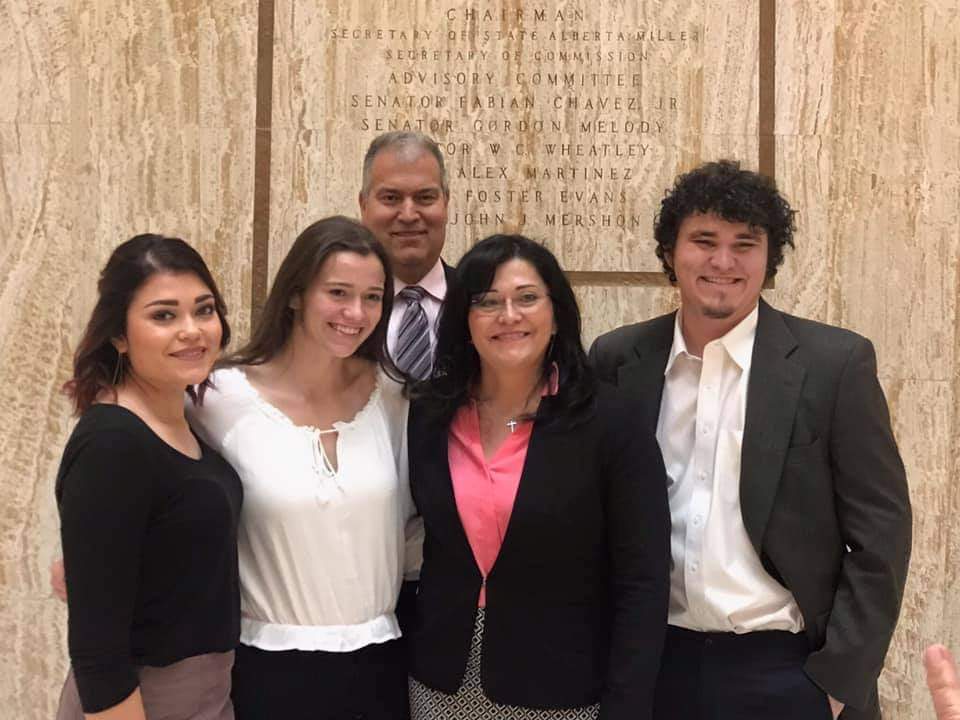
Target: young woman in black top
148, 512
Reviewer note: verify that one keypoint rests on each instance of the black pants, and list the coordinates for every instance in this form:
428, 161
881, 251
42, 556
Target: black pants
366, 684
723, 676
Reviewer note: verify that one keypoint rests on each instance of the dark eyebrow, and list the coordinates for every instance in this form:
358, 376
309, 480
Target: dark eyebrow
417, 191
173, 303
526, 286
334, 283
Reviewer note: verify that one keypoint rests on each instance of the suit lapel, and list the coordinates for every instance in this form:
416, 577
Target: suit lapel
642, 377
536, 480
434, 472
450, 274
772, 395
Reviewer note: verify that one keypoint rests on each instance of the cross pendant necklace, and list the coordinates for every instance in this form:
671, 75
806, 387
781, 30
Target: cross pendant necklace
512, 424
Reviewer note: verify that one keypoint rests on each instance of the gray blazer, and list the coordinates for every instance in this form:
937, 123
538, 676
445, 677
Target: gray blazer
823, 491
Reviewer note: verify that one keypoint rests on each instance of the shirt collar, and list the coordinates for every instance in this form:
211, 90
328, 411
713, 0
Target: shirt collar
434, 283
679, 346
738, 342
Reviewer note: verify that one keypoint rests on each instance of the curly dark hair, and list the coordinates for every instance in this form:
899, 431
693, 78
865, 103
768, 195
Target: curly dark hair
736, 195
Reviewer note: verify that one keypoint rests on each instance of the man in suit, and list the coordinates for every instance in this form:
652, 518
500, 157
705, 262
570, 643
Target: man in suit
403, 202
790, 514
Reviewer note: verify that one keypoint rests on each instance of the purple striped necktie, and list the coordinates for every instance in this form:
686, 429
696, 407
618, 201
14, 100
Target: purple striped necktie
412, 354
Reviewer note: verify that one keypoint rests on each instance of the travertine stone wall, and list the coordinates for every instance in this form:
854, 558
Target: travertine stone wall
564, 121
116, 118
121, 117
868, 146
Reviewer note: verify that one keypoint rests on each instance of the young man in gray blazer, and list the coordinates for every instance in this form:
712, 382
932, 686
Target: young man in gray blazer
791, 522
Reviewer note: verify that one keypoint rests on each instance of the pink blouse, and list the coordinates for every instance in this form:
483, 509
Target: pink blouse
485, 490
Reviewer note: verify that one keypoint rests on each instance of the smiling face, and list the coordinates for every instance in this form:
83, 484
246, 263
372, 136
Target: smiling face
342, 305
406, 209
720, 267
173, 331
511, 324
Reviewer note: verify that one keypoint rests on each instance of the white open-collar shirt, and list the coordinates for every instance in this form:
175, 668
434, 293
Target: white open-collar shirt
717, 582
322, 552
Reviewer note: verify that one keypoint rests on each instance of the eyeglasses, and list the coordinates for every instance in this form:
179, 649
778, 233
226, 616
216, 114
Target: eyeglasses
493, 303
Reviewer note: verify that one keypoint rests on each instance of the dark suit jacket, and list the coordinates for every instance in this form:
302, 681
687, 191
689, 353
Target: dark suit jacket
822, 488
451, 276
577, 600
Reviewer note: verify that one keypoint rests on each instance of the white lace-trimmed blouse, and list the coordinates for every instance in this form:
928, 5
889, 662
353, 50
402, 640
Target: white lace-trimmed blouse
322, 551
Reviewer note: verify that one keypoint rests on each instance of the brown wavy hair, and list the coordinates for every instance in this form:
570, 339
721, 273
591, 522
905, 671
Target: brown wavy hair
310, 251
97, 364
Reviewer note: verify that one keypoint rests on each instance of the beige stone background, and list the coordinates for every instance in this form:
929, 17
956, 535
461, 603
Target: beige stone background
126, 116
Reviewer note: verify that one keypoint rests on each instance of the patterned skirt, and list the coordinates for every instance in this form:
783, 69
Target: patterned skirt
469, 703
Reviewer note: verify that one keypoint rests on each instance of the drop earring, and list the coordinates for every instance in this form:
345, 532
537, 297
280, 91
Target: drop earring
118, 369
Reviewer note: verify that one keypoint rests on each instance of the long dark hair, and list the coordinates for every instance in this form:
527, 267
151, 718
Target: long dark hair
98, 366
457, 370
299, 268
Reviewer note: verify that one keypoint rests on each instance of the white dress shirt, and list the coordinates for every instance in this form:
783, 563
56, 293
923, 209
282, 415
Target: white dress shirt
717, 582
321, 550
435, 283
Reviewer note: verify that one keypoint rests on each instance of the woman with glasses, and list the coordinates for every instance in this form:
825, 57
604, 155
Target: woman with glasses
544, 585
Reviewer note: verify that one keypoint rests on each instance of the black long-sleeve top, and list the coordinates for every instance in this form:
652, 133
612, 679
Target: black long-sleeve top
150, 551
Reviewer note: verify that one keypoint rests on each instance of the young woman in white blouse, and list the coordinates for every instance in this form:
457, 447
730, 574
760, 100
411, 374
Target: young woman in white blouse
311, 416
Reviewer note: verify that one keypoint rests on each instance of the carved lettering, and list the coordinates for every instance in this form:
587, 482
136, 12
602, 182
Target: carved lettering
549, 118
497, 172
508, 195
428, 125
496, 102
578, 220
532, 172
628, 127
409, 77
481, 218
601, 150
